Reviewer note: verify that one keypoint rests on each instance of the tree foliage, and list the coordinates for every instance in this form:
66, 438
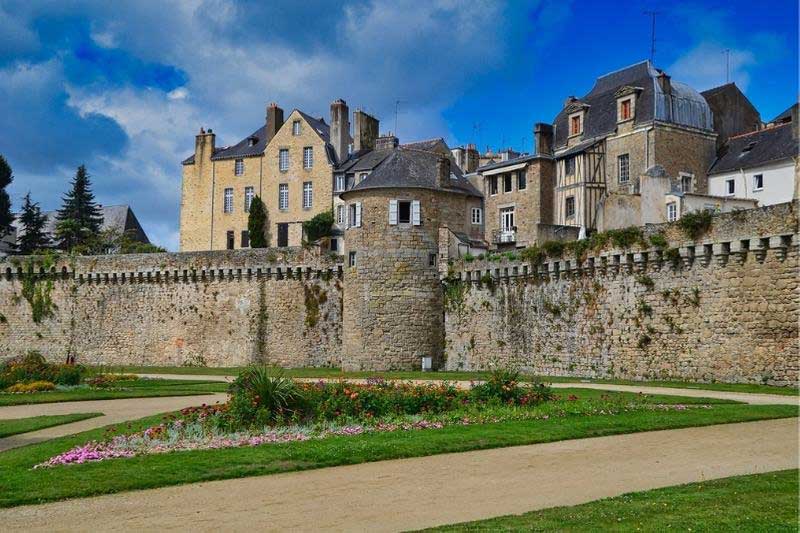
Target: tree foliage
79, 218
33, 220
257, 223
6, 177
319, 226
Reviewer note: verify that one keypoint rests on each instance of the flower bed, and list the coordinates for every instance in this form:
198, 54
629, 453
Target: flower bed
34, 368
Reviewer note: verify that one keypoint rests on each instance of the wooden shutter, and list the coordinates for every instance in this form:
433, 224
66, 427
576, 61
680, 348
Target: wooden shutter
393, 212
358, 215
415, 214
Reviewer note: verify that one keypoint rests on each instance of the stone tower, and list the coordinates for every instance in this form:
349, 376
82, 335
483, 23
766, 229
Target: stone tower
393, 301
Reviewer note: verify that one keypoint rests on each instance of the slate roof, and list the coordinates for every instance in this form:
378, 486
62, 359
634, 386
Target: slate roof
756, 149
786, 115
415, 169
243, 148
116, 217
685, 106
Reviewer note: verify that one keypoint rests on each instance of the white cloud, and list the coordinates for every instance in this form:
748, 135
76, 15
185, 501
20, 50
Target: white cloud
705, 66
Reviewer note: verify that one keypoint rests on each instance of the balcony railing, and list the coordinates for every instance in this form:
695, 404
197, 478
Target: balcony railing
504, 236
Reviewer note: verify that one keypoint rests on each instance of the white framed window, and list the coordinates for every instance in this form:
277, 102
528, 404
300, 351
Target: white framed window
339, 183
283, 196
758, 182
283, 159
576, 124
686, 182
340, 214
249, 194
351, 259
296, 127
238, 167
308, 195
354, 215
624, 168
308, 157
227, 202
672, 212
569, 207
477, 215
730, 187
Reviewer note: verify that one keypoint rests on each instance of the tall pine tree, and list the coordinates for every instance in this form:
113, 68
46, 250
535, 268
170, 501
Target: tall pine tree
79, 218
34, 238
257, 224
6, 177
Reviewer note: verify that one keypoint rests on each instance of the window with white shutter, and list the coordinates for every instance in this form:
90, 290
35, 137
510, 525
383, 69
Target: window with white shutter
393, 212
358, 214
415, 213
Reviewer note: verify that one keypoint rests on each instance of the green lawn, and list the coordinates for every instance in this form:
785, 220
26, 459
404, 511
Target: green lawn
20, 484
452, 376
15, 426
129, 389
760, 502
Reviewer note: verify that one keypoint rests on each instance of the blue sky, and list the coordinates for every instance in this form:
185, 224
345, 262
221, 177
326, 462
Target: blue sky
124, 86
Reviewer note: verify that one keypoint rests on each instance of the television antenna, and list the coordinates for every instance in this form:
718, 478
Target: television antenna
652, 15
727, 53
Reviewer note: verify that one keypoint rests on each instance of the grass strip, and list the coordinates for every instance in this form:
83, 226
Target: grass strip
759, 502
453, 376
133, 389
15, 426
20, 484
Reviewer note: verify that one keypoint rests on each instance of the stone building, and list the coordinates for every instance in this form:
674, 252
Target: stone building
733, 112
393, 301
631, 120
288, 163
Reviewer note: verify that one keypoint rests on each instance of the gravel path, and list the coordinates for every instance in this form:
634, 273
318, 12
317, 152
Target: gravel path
753, 398
114, 411
427, 491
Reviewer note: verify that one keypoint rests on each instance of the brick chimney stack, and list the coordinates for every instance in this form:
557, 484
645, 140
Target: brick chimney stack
387, 142
340, 129
794, 121
204, 146
542, 139
365, 131
443, 171
665, 83
274, 120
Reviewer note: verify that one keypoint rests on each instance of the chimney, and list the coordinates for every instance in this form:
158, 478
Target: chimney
664, 83
365, 131
794, 121
542, 139
472, 159
274, 121
387, 142
340, 128
443, 171
204, 146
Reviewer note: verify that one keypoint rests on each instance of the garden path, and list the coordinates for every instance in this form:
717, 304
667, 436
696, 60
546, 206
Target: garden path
428, 491
745, 397
114, 412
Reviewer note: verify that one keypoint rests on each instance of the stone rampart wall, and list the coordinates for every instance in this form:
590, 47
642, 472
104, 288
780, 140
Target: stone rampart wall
228, 308
721, 308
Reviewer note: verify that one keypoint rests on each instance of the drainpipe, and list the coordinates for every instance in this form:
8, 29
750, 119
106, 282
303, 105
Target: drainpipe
213, 194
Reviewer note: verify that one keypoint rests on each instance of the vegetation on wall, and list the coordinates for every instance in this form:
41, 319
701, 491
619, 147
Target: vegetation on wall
37, 288
314, 296
454, 291
696, 224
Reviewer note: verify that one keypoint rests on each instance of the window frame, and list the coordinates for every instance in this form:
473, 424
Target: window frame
339, 183
672, 211
730, 187
351, 259
308, 157
508, 183
522, 180
308, 194
476, 221
295, 128
569, 166
230, 240
249, 194
408, 204
283, 159
493, 185
575, 118
684, 177
341, 214
626, 158
227, 200
283, 196
567, 204
623, 116
238, 167
245, 239
760, 177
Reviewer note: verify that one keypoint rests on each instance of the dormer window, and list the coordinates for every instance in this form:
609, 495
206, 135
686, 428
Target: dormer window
625, 111
576, 124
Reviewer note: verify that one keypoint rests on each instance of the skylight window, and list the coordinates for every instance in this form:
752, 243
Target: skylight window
748, 147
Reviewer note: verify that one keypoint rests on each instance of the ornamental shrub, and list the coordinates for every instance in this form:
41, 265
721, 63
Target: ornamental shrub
260, 395
33, 367
34, 386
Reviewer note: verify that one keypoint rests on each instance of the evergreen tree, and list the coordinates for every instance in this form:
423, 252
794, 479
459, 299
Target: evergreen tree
6, 177
79, 218
34, 238
257, 224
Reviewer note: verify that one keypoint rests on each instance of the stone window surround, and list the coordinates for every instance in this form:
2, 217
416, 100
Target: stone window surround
477, 220
631, 111
227, 200
283, 196
570, 117
283, 164
682, 176
296, 127
623, 163
308, 157
308, 195
238, 167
